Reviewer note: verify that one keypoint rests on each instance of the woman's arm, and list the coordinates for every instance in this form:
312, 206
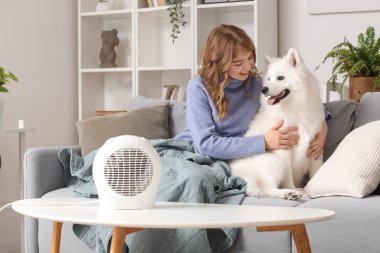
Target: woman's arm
316, 146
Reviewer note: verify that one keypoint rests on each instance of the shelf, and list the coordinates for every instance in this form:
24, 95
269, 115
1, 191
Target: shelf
114, 14
163, 68
235, 6
105, 70
225, 5
161, 11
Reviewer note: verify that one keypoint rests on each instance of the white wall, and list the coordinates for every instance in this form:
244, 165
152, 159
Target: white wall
38, 43
314, 35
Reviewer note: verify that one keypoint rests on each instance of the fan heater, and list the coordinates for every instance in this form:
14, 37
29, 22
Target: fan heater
126, 172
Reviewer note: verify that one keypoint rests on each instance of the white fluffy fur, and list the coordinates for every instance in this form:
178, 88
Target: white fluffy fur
277, 173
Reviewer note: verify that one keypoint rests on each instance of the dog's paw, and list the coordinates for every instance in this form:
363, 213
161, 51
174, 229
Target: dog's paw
294, 195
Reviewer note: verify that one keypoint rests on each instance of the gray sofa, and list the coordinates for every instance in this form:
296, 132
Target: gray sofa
356, 227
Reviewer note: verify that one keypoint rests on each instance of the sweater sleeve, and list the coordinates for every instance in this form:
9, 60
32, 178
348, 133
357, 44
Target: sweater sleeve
203, 131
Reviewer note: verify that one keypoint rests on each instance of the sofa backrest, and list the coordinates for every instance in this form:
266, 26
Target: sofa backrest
340, 124
347, 115
368, 109
177, 112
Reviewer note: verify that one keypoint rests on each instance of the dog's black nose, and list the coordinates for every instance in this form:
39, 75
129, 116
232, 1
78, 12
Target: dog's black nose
264, 90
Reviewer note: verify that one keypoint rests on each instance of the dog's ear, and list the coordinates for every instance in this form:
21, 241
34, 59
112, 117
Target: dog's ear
294, 58
268, 59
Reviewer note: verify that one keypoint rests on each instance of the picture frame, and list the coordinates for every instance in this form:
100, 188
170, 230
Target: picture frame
315, 7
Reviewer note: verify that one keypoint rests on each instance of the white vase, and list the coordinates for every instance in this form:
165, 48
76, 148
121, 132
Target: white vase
105, 6
1, 111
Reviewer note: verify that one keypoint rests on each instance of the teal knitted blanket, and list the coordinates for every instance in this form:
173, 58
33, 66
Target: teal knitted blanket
186, 177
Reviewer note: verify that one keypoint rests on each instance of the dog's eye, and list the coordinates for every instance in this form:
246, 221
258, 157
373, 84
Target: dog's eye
280, 78
268, 78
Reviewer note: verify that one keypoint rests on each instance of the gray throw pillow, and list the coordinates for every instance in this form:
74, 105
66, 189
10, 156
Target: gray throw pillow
177, 112
341, 123
368, 109
148, 122
141, 102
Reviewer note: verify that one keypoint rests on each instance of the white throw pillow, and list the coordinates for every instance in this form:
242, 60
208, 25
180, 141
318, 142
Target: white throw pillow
354, 167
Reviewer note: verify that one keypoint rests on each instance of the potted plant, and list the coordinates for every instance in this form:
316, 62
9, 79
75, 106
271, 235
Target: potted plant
360, 64
5, 77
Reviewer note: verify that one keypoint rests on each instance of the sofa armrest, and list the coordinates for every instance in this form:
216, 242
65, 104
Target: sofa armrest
43, 172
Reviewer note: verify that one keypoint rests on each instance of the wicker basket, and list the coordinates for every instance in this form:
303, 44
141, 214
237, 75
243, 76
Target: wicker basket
360, 85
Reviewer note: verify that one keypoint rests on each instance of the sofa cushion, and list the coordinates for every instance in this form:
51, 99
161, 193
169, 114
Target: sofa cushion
341, 123
354, 229
177, 112
353, 169
368, 109
149, 122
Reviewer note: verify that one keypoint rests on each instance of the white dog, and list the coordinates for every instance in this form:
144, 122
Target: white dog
290, 93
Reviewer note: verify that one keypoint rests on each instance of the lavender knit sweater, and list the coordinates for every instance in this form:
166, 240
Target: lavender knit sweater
223, 139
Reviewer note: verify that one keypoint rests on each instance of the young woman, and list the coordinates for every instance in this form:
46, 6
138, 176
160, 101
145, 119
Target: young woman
224, 98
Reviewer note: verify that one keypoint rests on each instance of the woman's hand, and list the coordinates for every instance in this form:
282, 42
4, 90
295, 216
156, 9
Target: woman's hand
280, 139
315, 149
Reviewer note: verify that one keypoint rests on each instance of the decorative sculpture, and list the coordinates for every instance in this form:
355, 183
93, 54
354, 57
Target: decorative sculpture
107, 52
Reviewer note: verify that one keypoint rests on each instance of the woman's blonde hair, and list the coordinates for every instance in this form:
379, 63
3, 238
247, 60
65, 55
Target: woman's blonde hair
222, 45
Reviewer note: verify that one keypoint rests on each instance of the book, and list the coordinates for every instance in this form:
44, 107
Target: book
150, 3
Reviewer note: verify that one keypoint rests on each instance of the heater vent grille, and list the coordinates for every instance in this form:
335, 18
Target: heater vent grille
128, 171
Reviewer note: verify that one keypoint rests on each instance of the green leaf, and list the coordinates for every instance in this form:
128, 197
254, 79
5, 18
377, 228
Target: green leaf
13, 77
3, 89
6, 78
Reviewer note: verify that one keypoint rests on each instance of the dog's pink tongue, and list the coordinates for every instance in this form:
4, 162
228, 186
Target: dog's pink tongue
271, 100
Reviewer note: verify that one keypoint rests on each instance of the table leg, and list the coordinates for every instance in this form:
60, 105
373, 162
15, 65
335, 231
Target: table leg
56, 240
118, 238
299, 234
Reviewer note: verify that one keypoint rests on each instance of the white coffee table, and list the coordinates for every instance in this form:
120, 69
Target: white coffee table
172, 215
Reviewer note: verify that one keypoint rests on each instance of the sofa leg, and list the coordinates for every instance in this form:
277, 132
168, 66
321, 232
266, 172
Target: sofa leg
56, 240
299, 234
